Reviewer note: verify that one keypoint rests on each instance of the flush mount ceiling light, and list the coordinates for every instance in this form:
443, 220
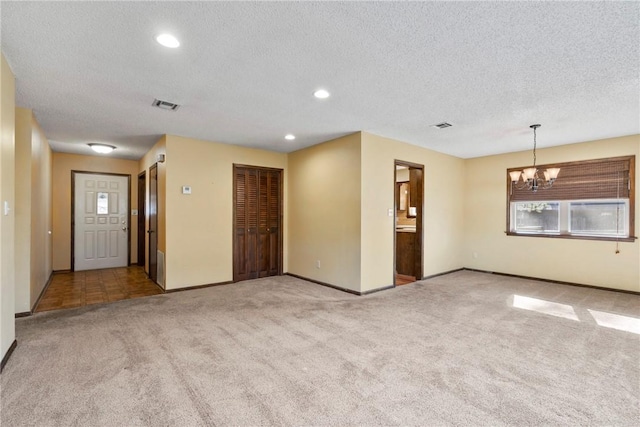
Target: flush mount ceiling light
321, 93
102, 148
167, 40
530, 179
289, 137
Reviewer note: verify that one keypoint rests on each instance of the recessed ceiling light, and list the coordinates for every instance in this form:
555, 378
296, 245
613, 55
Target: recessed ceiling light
321, 93
167, 40
102, 148
290, 137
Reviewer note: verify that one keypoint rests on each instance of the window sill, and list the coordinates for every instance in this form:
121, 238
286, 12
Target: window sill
573, 236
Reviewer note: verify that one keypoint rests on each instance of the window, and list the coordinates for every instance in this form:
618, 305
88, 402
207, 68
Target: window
599, 218
536, 217
591, 199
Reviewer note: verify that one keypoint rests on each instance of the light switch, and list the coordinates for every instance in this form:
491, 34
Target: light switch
390, 212
6, 208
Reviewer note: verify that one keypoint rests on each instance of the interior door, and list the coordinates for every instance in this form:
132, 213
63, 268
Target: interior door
100, 221
152, 232
257, 222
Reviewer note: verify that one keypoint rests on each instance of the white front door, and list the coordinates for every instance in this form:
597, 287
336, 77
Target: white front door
101, 218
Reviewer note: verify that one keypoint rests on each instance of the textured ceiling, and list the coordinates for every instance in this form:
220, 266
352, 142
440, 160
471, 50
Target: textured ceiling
246, 71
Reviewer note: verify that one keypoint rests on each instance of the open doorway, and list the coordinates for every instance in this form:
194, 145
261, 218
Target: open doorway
408, 197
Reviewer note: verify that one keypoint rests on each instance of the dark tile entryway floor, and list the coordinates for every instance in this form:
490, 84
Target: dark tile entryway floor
77, 289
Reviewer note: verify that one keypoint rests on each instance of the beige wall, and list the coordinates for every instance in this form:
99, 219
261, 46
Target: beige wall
7, 193
443, 219
402, 175
63, 164
33, 210
41, 209
199, 236
579, 261
324, 213
23, 210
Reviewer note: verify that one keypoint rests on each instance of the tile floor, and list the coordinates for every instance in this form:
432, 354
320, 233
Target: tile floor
77, 289
401, 279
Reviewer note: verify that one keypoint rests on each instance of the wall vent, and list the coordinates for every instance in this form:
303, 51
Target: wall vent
160, 271
443, 125
165, 105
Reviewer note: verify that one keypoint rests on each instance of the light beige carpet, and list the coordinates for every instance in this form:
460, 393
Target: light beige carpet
453, 350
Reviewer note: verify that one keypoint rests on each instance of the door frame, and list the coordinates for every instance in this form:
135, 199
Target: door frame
419, 243
73, 211
153, 233
142, 218
280, 216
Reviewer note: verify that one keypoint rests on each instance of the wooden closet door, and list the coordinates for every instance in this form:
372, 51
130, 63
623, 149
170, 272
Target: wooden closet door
257, 245
269, 212
246, 224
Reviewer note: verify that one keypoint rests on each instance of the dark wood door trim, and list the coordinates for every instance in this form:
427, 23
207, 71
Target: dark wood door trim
73, 211
142, 219
418, 177
246, 267
152, 232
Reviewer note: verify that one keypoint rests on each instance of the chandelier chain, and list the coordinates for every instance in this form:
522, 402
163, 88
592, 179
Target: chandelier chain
534, 147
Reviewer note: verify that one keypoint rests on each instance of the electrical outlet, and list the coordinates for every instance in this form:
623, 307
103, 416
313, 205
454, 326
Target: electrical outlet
318, 264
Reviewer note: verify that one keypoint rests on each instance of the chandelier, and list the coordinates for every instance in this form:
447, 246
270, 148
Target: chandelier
530, 179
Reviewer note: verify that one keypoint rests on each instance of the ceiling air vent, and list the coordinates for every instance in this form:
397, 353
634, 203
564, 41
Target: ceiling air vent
165, 105
443, 125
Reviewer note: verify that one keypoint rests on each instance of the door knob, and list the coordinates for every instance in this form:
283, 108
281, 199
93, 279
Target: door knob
124, 228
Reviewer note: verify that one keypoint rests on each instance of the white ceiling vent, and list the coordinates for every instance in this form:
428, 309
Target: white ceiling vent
165, 105
443, 125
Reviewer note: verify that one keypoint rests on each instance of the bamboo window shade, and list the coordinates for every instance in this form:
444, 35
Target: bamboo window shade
591, 179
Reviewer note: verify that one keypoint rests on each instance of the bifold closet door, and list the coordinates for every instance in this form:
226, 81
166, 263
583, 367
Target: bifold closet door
257, 245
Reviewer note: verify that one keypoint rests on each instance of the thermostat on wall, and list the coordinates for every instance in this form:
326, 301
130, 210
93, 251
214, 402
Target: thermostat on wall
186, 189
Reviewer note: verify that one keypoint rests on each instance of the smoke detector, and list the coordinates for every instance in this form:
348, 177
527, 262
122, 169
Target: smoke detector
165, 105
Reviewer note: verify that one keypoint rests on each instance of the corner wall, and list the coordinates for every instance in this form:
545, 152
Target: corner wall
7, 194
443, 220
587, 262
324, 218
33, 210
63, 164
199, 226
23, 210
41, 211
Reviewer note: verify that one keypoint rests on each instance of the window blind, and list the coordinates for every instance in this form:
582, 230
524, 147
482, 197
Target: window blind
590, 179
